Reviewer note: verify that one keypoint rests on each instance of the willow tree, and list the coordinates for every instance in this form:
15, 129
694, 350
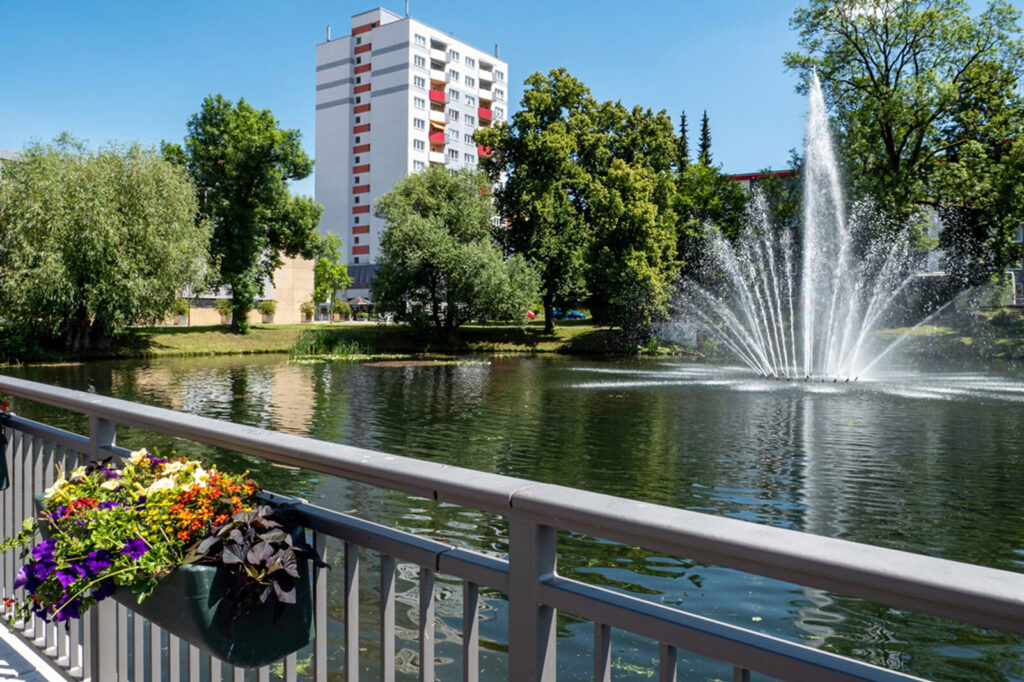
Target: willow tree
94, 242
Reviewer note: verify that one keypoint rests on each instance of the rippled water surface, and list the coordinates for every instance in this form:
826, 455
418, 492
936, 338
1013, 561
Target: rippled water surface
923, 461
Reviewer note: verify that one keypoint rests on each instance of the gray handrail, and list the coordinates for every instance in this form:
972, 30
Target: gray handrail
982, 596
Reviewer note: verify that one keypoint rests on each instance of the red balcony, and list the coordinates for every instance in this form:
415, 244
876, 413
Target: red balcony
484, 113
362, 168
363, 48
360, 148
437, 96
360, 229
437, 137
360, 189
362, 250
362, 128
361, 209
481, 150
362, 68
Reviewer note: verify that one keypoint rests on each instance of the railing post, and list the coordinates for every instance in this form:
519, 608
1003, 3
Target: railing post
531, 639
102, 434
102, 616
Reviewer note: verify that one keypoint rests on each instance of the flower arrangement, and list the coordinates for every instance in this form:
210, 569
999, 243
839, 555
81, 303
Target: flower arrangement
107, 529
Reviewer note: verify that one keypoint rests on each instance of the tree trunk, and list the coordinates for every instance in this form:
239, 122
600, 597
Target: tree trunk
549, 314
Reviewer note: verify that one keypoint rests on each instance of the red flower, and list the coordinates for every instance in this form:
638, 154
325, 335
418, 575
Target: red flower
4, 406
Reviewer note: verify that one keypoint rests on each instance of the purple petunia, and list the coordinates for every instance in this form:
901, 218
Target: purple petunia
67, 576
98, 560
71, 610
44, 550
155, 460
109, 504
104, 590
135, 548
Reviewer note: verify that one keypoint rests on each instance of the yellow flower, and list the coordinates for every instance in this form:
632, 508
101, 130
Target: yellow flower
160, 485
112, 484
55, 488
137, 456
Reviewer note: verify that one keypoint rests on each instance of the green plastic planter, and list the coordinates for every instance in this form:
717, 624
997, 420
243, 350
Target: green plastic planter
185, 603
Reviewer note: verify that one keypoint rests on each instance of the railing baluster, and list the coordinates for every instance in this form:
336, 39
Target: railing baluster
238, 675
54, 636
138, 649
173, 658
156, 653
193, 664
17, 490
320, 610
101, 642
531, 638
470, 632
291, 668
8, 520
602, 653
426, 625
213, 669
263, 675
740, 674
387, 618
122, 642
667, 663
76, 646
351, 612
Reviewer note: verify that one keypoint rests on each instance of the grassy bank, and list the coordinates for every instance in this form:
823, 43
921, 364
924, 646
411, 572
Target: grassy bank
345, 339
996, 334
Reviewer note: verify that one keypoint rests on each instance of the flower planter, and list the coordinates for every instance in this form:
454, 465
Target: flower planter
186, 602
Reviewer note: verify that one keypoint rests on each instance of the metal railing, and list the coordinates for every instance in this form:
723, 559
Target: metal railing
114, 644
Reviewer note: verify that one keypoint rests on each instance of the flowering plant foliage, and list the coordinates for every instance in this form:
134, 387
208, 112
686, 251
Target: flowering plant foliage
105, 528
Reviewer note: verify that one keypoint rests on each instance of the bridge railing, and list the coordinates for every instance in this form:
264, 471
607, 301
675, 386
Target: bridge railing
112, 643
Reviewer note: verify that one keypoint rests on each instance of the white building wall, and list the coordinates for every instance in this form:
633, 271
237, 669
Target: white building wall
389, 45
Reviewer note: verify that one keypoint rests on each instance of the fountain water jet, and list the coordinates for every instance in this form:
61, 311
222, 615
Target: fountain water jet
815, 322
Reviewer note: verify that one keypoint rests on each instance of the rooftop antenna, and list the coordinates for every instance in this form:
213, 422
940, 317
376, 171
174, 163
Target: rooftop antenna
406, 8
495, 50
328, 33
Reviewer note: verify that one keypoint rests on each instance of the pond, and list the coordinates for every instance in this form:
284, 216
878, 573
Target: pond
925, 461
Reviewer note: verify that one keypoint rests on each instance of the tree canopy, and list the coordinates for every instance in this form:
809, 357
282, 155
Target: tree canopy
439, 264
926, 105
241, 161
330, 272
95, 241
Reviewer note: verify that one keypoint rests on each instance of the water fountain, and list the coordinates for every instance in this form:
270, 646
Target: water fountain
815, 320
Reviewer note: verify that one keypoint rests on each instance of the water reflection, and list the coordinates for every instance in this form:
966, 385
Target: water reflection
923, 462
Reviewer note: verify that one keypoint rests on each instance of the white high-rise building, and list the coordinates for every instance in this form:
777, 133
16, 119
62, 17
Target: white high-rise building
392, 98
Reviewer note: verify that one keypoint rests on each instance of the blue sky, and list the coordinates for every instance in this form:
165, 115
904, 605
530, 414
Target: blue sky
120, 71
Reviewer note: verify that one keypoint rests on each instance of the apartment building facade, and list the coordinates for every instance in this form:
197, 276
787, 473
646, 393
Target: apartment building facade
392, 98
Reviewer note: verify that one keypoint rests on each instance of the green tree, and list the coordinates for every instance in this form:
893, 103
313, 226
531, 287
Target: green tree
705, 198
922, 96
542, 183
330, 272
704, 149
95, 241
439, 263
241, 162
683, 154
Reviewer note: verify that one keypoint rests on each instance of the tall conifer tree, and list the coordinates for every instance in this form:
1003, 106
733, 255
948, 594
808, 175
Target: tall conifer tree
684, 146
704, 151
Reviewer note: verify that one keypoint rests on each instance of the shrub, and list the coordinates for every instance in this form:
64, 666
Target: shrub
307, 308
363, 316
342, 309
267, 308
223, 306
179, 307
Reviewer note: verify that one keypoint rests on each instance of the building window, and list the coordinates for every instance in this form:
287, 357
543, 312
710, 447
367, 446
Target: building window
499, 113
355, 240
358, 119
359, 99
470, 120
355, 180
418, 165
469, 158
453, 56
357, 220
419, 145
453, 94
357, 139
453, 134
453, 75
356, 259
419, 81
420, 61
453, 154
419, 124
499, 94
359, 41
499, 76
419, 102
421, 40
471, 100
468, 138
470, 62
356, 201
470, 81
453, 116
359, 60
357, 159
359, 79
